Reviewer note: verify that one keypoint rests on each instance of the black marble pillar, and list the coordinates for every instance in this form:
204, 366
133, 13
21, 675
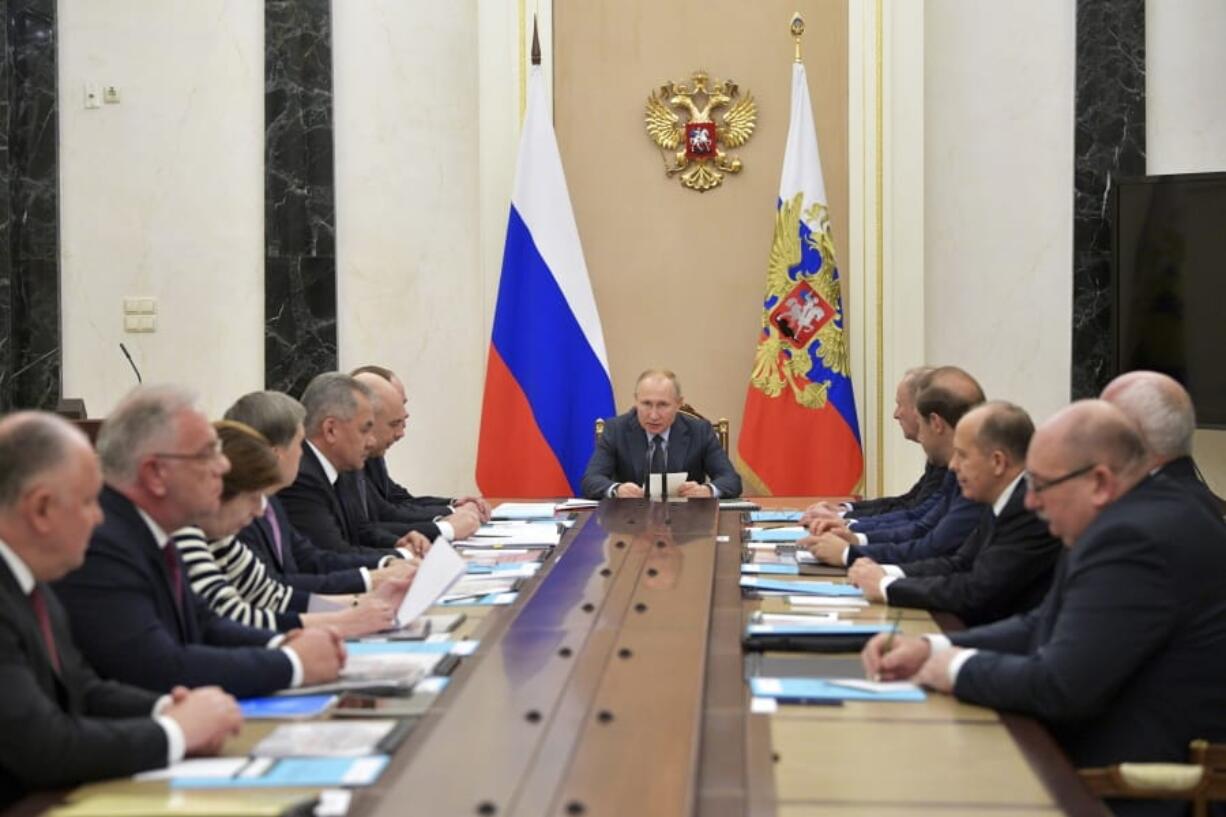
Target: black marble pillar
1109, 142
29, 210
299, 194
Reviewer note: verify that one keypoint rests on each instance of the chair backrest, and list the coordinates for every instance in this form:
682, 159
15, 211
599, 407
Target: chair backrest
1200, 781
721, 427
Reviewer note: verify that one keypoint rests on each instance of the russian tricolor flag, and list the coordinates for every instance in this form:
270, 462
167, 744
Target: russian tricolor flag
547, 379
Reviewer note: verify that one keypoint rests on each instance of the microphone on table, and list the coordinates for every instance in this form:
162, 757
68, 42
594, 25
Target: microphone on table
131, 362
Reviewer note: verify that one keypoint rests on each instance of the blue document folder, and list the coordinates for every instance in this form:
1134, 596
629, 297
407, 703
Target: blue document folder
295, 771
771, 569
801, 588
820, 690
816, 629
282, 706
787, 534
774, 516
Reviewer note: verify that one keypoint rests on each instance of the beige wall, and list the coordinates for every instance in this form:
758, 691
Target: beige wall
678, 275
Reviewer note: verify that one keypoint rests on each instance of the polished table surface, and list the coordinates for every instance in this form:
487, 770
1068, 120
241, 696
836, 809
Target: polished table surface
614, 685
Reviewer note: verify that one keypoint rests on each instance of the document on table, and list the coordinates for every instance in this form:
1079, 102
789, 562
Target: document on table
784, 533
775, 516
674, 483
294, 771
524, 510
441, 568
801, 587
328, 739
841, 602
847, 628
818, 690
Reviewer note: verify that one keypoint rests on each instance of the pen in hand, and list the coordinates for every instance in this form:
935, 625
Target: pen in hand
889, 639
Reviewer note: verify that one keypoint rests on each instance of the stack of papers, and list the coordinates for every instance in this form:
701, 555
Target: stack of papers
330, 739
524, 510
577, 504
514, 535
821, 690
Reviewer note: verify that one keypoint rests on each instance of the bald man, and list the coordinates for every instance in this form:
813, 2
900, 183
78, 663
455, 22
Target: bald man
1163, 411
60, 724
1125, 660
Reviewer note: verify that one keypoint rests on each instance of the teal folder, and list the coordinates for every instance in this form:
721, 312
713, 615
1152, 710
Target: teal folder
800, 588
820, 690
296, 771
280, 706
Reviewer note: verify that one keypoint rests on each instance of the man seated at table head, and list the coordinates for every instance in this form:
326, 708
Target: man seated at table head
676, 442
1163, 411
1125, 658
133, 615
60, 724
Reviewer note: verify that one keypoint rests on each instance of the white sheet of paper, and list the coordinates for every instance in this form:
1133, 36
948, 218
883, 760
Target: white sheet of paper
674, 482
440, 569
196, 767
827, 601
523, 510
879, 687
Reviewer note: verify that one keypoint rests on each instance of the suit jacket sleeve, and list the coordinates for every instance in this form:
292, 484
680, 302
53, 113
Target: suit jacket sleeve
900, 517
949, 532
44, 746
1096, 643
1017, 555
122, 633
602, 467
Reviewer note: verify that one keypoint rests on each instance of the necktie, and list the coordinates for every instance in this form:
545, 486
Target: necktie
659, 464
174, 573
39, 605
271, 518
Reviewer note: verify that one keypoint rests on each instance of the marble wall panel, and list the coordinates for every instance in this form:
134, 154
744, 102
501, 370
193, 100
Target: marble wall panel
300, 210
1109, 141
29, 223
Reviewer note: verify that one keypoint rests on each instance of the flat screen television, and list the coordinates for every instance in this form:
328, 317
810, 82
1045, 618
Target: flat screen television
1169, 283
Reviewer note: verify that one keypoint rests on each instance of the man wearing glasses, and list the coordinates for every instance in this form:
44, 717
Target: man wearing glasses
132, 615
1125, 658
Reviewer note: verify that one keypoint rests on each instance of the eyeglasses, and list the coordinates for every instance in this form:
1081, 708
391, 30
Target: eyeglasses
211, 452
1036, 485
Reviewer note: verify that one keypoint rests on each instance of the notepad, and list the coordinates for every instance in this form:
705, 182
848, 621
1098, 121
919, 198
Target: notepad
787, 533
817, 690
801, 587
523, 510
775, 516
329, 739
280, 707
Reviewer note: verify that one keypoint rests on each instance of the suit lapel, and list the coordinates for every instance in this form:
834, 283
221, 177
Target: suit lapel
636, 445
31, 636
678, 446
122, 508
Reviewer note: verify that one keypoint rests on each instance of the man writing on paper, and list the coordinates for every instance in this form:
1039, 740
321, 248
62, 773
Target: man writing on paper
60, 724
654, 433
1125, 657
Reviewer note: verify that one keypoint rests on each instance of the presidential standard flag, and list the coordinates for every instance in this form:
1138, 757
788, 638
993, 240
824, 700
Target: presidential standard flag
547, 378
800, 436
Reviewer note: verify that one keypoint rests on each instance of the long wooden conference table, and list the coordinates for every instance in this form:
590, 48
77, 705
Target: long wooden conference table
615, 685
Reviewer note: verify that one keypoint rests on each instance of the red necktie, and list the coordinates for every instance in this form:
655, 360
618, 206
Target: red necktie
170, 557
39, 605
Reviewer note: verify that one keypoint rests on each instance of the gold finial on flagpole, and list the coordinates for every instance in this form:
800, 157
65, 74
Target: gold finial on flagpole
536, 43
798, 28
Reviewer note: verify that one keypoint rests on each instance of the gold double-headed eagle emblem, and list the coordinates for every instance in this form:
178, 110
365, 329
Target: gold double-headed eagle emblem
700, 143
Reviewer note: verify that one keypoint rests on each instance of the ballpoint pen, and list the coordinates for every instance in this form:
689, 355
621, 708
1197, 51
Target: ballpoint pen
889, 639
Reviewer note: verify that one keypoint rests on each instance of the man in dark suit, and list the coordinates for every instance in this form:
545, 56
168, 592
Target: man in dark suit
928, 483
60, 724
945, 395
391, 510
132, 614
288, 555
1124, 659
1006, 565
391, 417
1163, 411
328, 502
655, 433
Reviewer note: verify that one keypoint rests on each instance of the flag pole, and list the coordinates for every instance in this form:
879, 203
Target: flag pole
536, 43
798, 28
